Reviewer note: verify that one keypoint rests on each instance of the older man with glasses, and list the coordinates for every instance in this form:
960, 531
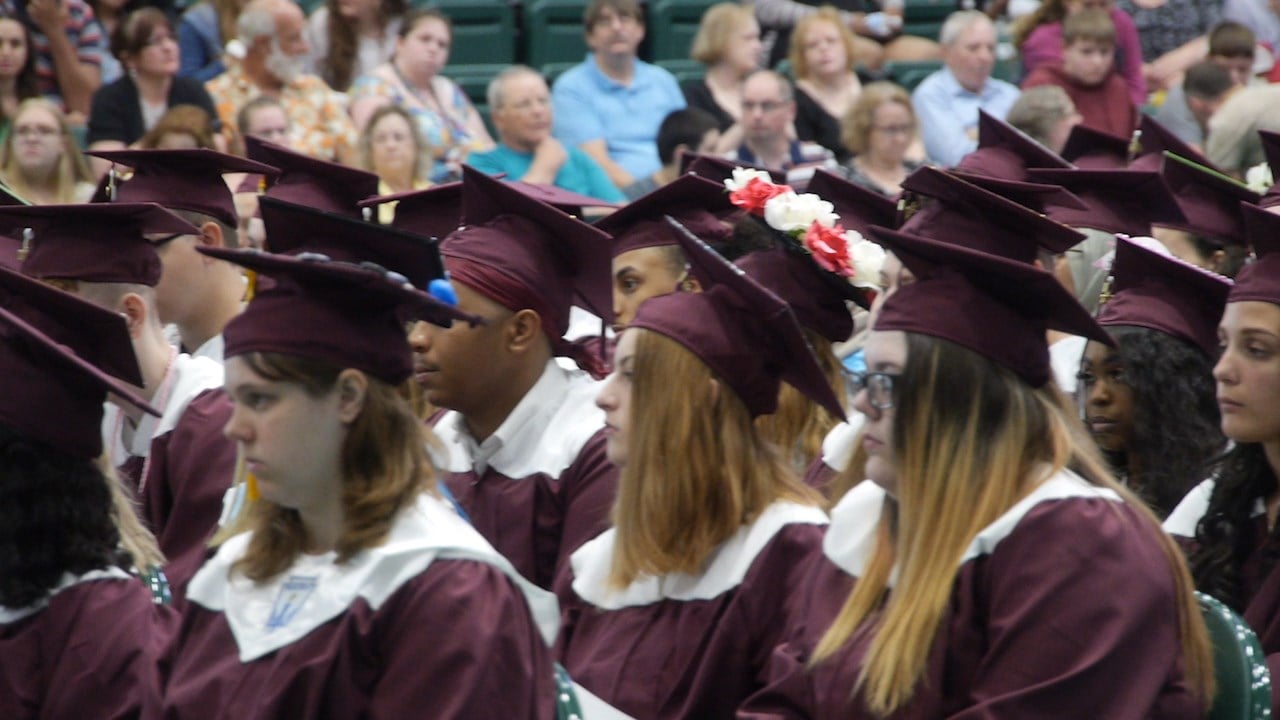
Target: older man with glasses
768, 110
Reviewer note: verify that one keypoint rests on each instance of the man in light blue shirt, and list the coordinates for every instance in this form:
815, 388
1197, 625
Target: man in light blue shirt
521, 106
611, 105
947, 101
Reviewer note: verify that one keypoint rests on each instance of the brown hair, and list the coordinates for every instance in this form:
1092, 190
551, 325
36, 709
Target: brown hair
964, 459
855, 126
133, 35
1231, 39
718, 31
423, 154
825, 14
623, 8
72, 167
1038, 109
189, 119
338, 65
384, 468
799, 425
1091, 25
697, 469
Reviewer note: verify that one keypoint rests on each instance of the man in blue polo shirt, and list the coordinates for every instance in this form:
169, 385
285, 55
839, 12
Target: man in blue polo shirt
611, 105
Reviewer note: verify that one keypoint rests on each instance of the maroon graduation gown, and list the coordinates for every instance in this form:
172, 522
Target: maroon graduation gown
548, 487
1063, 607
89, 653
687, 646
376, 638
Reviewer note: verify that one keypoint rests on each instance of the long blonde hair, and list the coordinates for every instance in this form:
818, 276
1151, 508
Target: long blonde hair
799, 425
384, 468
72, 167
135, 538
963, 460
697, 469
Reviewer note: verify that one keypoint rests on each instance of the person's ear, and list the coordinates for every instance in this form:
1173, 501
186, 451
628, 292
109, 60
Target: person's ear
134, 311
211, 235
353, 390
522, 331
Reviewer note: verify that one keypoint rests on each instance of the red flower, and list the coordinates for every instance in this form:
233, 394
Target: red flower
755, 194
829, 248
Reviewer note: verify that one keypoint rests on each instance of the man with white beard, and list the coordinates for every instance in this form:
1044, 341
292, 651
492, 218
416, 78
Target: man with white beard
272, 42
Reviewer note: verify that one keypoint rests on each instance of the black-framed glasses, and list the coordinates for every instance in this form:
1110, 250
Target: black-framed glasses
879, 387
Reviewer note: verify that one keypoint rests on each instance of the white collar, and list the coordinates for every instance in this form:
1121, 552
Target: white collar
1186, 516
726, 567
11, 615
265, 617
531, 413
841, 441
187, 377
211, 349
851, 537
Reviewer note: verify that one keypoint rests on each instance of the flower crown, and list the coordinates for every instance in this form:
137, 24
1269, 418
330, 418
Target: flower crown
811, 222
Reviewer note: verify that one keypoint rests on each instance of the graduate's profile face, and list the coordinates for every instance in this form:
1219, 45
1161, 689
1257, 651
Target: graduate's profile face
459, 367
291, 440
639, 275
615, 399
886, 353
1248, 373
177, 298
1106, 397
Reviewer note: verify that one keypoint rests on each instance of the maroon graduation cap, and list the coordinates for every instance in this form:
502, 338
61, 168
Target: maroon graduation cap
309, 181
994, 306
1209, 200
95, 242
1164, 293
718, 169
961, 213
51, 344
431, 213
1006, 152
182, 179
1037, 197
698, 203
1271, 150
1260, 279
293, 229
1154, 140
858, 207
1092, 149
1117, 200
349, 316
746, 335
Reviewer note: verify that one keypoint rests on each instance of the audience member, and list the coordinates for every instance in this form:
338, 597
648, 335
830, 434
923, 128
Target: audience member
392, 148
350, 38
272, 32
611, 104
69, 47
264, 118
1173, 33
411, 79
1232, 142
110, 14
17, 70
203, 31
1038, 39
1087, 74
522, 114
684, 131
879, 129
768, 110
183, 127
1188, 105
728, 43
877, 26
126, 109
1046, 114
41, 161
947, 102
826, 85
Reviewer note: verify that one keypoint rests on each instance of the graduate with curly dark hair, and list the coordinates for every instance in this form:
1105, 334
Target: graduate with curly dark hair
1149, 401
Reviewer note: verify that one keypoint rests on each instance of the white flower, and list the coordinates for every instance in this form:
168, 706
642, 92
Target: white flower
1258, 178
789, 212
867, 258
742, 176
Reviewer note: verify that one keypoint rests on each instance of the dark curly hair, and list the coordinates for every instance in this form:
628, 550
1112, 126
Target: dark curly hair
55, 518
1176, 421
1225, 535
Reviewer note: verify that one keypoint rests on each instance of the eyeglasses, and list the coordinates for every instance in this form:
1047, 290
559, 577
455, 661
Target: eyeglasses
895, 129
767, 106
879, 387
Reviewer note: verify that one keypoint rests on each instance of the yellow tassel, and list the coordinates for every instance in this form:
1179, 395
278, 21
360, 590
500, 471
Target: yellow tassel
252, 482
251, 287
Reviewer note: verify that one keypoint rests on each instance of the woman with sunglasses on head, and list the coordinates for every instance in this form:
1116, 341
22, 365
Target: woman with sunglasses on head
672, 613
1228, 523
347, 586
996, 568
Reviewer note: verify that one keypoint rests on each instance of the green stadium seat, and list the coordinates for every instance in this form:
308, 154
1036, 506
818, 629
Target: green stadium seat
308, 6
484, 31
551, 71
553, 32
684, 70
473, 79
924, 18
908, 74
670, 26
1243, 683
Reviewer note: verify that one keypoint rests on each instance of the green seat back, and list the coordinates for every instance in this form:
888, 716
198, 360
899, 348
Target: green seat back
1239, 665
553, 32
908, 74
484, 31
567, 707
684, 70
670, 26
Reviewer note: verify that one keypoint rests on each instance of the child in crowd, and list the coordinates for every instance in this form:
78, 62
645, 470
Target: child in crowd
1088, 74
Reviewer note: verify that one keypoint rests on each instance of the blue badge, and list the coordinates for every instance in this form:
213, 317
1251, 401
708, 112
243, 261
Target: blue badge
293, 595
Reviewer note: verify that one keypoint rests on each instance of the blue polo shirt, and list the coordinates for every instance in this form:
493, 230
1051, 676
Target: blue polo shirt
588, 105
947, 113
579, 173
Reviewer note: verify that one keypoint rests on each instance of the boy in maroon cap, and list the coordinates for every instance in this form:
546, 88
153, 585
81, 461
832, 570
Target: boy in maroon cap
523, 449
179, 464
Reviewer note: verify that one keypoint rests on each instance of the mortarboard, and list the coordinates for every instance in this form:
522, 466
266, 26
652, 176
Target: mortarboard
1118, 200
1036, 197
696, 202
746, 335
1154, 139
312, 182
1260, 279
1006, 152
1209, 200
718, 169
433, 212
1092, 149
858, 207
